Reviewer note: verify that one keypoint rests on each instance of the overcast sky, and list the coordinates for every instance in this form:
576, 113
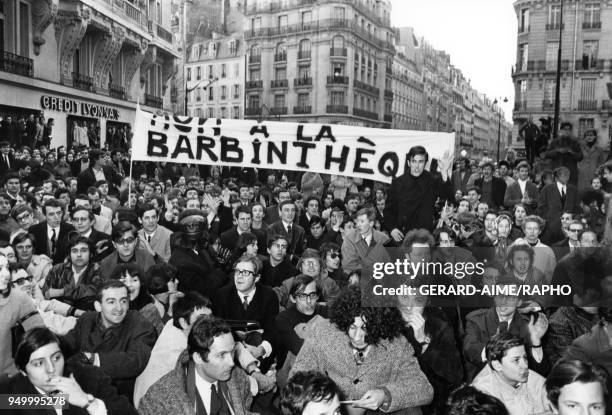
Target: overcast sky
479, 36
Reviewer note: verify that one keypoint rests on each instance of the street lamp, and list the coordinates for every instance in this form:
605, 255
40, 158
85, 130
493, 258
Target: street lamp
499, 125
188, 90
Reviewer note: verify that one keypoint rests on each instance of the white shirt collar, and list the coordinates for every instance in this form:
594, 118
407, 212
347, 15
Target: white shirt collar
50, 231
561, 186
204, 389
249, 296
88, 233
286, 224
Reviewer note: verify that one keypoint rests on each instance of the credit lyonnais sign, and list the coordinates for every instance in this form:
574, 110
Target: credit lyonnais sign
370, 153
72, 106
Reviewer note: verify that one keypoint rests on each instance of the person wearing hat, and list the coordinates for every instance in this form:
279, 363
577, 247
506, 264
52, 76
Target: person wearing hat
565, 151
192, 257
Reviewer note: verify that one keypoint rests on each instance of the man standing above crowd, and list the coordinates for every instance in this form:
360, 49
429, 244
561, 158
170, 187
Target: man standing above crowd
411, 198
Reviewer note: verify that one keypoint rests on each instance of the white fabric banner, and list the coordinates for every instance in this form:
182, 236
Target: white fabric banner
370, 153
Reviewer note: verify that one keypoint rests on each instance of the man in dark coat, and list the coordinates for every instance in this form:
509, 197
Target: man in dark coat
114, 338
410, 204
565, 151
51, 236
96, 172
556, 198
493, 188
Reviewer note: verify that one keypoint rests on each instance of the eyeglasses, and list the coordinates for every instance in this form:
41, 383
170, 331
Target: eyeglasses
21, 281
126, 241
334, 255
78, 220
244, 272
575, 230
310, 296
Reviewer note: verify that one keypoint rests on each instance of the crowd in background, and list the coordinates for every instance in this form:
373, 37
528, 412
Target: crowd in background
207, 290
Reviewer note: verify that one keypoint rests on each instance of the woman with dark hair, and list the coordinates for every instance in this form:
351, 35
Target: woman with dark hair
133, 277
258, 213
332, 263
162, 284
433, 340
520, 212
577, 387
362, 349
43, 371
247, 245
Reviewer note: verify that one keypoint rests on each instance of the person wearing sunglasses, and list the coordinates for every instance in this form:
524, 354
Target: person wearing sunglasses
571, 242
332, 263
293, 324
125, 241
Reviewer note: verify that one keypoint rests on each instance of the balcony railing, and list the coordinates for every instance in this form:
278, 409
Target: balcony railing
323, 25
82, 81
365, 87
279, 110
589, 105
254, 58
279, 83
304, 54
116, 91
156, 29
337, 109
548, 105
252, 111
365, 114
338, 52
131, 11
520, 106
590, 64
153, 101
388, 118
302, 110
277, 6
554, 26
16, 64
591, 25
306, 81
254, 84
280, 57
337, 80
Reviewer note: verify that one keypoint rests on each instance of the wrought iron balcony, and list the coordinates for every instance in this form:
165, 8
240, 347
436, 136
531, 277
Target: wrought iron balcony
337, 109
82, 81
116, 91
252, 111
591, 25
304, 54
280, 57
306, 81
16, 64
388, 118
587, 105
279, 83
153, 101
338, 52
254, 84
254, 59
337, 80
302, 110
365, 114
278, 110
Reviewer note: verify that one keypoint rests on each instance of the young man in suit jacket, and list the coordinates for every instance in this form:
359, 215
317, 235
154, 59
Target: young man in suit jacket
273, 213
244, 219
7, 161
51, 236
96, 172
245, 299
556, 198
153, 236
286, 226
522, 190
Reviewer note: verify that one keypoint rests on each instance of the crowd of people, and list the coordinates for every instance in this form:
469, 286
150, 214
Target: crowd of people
212, 290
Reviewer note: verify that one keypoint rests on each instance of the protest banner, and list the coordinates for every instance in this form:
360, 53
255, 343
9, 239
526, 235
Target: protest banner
369, 153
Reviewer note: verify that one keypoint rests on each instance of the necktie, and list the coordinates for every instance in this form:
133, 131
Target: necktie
8, 165
563, 195
503, 326
218, 405
245, 303
149, 238
290, 232
53, 240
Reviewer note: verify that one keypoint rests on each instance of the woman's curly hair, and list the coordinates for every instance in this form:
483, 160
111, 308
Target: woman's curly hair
381, 322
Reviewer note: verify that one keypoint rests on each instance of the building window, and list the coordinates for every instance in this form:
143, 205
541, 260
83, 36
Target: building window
210, 93
223, 70
281, 53
236, 70
198, 94
524, 21
189, 74
256, 24
306, 20
232, 47
279, 101
304, 71
254, 101
211, 112
589, 54
255, 74
282, 22
199, 73
552, 52
592, 16
223, 112
223, 92
236, 91
236, 112
304, 49
339, 13
523, 56
303, 100
211, 72
554, 17
280, 73
549, 94
337, 97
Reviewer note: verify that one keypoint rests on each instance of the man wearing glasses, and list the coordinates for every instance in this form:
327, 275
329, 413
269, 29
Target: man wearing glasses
292, 325
247, 300
571, 241
125, 241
